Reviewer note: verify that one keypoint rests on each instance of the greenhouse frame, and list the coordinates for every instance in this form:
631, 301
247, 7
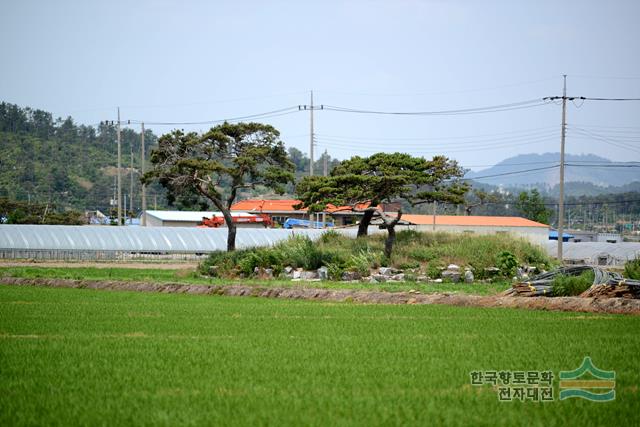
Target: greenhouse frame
65, 242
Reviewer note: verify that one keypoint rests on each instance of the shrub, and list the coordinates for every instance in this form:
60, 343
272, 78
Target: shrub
564, 285
507, 263
362, 262
632, 269
334, 270
433, 271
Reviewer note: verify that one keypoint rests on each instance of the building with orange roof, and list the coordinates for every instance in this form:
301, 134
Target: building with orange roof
535, 232
280, 210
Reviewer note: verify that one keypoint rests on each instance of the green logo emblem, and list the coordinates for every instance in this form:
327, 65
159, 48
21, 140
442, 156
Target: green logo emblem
598, 386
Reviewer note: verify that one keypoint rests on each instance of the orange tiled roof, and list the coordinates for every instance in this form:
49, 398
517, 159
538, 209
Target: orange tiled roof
287, 205
488, 221
266, 205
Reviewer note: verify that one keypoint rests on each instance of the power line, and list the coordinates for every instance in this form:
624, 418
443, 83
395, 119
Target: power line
514, 172
267, 114
419, 93
478, 110
610, 99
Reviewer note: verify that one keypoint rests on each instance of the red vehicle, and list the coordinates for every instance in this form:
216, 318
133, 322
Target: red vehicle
218, 221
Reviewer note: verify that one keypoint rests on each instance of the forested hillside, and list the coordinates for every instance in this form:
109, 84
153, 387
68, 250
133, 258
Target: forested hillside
47, 160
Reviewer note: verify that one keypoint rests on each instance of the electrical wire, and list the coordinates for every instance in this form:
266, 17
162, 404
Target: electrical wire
267, 114
478, 110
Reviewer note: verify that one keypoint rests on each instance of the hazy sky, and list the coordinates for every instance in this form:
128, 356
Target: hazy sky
183, 61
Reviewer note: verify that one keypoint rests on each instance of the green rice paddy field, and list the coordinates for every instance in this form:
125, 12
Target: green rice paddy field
85, 357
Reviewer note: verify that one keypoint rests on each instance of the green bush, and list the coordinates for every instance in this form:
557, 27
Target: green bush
564, 285
632, 269
507, 263
434, 271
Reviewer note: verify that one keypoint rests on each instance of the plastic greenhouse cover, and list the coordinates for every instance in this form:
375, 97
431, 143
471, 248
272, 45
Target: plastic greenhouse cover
139, 239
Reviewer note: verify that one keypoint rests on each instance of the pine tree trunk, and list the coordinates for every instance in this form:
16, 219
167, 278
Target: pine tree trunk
231, 235
391, 239
363, 227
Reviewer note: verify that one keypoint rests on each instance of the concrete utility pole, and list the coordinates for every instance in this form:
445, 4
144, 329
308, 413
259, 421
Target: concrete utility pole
144, 187
325, 168
119, 173
311, 138
131, 179
435, 210
564, 99
561, 197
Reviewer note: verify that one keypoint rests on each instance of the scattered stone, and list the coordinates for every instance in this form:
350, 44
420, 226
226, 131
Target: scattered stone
398, 277
531, 269
468, 276
436, 281
385, 271
422, 279
372, 280
451, 275
492, 271
396, 271
308, 275
323, 273
348, 276
412, 301
453, 267
296, 274
268, 272
380, 277
288, 270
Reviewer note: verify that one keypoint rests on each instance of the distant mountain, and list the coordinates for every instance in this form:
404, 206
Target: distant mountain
585, 168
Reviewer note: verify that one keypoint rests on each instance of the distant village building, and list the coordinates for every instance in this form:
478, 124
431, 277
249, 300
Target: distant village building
281, 210
194, 219
532, 231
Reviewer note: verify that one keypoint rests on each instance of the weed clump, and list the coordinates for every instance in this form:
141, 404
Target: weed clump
565, 285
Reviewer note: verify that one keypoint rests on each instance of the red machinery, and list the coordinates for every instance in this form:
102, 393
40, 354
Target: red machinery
218, 221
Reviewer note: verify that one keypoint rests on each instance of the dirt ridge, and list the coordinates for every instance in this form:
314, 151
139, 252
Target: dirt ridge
575, 304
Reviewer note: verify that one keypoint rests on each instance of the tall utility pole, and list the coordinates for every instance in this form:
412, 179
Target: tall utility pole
131, 179
144, 187
311, 138
561, 197
325, 170
564, 99
119, 173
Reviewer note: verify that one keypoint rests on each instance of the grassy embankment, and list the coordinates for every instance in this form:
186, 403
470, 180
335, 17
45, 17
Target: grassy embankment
415, 253
84, 357
187, 277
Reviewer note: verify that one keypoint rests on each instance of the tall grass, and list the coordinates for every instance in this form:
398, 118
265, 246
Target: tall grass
424, 253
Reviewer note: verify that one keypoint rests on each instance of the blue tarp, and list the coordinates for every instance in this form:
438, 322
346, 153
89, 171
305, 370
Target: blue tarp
553, 235
305, 223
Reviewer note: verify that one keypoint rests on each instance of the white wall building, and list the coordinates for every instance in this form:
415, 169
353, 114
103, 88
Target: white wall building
532, 231
191, 219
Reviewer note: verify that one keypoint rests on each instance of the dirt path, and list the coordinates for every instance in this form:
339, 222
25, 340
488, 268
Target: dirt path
107, 264
590, 305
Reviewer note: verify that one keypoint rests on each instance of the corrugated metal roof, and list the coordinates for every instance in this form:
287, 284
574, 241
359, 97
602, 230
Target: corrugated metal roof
188, 216
136, 239
487, 221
